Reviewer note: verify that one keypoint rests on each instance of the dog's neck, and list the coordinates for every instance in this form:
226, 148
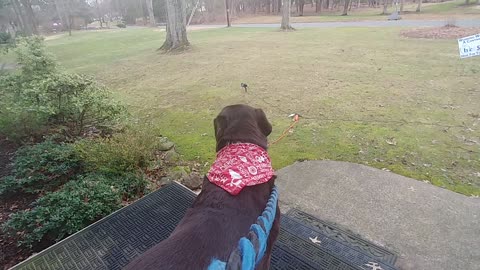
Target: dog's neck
256, 138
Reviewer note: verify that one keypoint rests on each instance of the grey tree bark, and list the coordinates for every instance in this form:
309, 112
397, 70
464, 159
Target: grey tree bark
385, 6
419, 7
345, 8
176, 38
286, 15
301, 5
19, 14
402, 2
63, 11
151, 16
29, 18
318, 6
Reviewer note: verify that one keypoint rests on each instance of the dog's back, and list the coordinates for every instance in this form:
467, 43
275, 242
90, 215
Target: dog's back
217, 220
211, 228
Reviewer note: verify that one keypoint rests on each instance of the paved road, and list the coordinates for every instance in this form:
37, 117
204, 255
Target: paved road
427, 226
399, 23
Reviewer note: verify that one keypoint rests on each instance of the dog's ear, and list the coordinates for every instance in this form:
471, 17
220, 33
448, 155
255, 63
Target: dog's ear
219, 124
263, 123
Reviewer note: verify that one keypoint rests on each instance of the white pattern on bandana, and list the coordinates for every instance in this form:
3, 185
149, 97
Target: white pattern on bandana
239, 165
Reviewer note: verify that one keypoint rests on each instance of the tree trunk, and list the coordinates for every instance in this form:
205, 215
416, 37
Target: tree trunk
267, 5
19, 15
419, 7
65, 9
358, 4
345, 8
402, 2
176, 38
286, 15
151, 16
193, 12
99, 14
318, 6
301, 5
61, 14
385, 6
30, 17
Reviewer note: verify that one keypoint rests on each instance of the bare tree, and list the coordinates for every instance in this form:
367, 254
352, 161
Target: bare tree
318, 6
419, 7
345, 8
300, 6
151, 16
286, 15
385, 6
402, 2
63, 12
19, 15
176, 38
29, 18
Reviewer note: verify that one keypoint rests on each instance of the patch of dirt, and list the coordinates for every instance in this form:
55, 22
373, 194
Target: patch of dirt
445, 32
7, 149
10, 254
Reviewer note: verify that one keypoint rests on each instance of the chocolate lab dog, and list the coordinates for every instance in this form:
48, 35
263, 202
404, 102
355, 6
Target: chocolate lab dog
217, 220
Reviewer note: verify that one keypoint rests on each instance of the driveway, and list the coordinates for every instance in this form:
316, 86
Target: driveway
427, 226
399, 23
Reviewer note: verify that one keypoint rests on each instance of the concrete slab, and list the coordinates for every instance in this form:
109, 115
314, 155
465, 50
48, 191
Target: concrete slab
427, 226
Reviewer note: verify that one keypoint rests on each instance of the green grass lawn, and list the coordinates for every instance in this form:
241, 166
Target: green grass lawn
367, 96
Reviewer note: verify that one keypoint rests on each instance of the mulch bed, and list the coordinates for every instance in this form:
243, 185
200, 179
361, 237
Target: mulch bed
445, 32
7, 149
10, 254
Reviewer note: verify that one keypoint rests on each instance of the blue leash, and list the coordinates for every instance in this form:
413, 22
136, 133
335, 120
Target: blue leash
251, 249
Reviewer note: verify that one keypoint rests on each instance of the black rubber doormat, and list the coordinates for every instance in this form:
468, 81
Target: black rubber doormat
114, 241
342, 244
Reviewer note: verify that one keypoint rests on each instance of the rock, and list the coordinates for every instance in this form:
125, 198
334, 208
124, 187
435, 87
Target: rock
164, 181
165, 144
193, 181
178, 173
394, 16
171, 156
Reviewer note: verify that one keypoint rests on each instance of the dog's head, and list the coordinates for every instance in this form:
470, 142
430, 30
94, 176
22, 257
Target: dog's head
241, 124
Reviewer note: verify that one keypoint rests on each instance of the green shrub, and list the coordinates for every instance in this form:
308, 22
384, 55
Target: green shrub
40, 98
123, 152
121, 25
5, 38
42, 167
59, 214
8, 184
128, 185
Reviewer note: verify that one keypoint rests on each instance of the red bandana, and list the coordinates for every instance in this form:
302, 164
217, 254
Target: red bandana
239, 165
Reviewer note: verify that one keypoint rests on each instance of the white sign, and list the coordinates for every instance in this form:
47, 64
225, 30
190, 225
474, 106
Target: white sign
469, 46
